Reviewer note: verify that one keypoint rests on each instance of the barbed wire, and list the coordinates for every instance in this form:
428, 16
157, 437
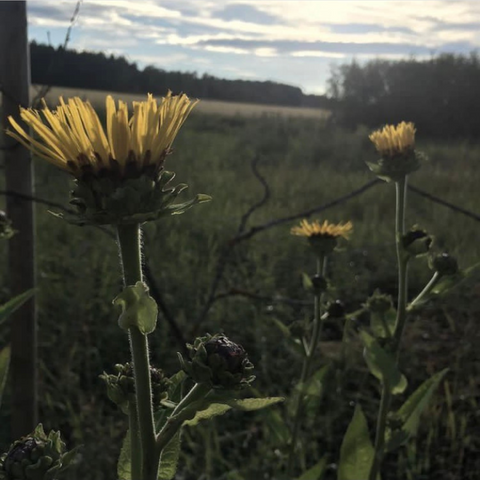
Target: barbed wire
242, 235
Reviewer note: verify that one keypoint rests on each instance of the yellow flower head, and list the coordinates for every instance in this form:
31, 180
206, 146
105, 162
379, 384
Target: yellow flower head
392, 141
324, 230
73, 138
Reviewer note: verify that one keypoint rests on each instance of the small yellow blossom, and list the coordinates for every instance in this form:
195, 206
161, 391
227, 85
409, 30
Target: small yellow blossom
394, 140
325, 230
73, 138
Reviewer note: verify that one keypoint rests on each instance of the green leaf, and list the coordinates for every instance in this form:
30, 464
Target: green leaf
124, 465
169, 459
316, 472
251, 404
14, 304
383, 324
314, 387
213, 410
409, 413
382, 364
307, 282
275, 426
4, 365
138, 308
356, 452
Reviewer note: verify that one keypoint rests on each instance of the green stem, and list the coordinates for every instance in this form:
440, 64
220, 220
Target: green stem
306, 368
174, 423
428, 288
129, 244
135, 447
402, 263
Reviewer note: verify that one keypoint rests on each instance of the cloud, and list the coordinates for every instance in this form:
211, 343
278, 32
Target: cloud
281, 40
246, 13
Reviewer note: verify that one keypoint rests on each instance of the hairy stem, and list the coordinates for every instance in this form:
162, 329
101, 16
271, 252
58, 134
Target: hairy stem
135, 447
306, 369
130, 252
402, 265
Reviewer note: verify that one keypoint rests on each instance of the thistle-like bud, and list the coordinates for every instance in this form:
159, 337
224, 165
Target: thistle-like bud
35, 457
218, 361
336, 309
417, 242
6, 229
379, 302
121, 387
319, 284
444, 264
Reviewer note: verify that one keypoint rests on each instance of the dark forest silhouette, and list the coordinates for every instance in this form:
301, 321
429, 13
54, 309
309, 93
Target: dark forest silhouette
97, 71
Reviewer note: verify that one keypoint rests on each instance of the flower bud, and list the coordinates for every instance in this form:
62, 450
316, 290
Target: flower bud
121, 387
319, 284
417, 242
379, 302
444, 264
35, 457
218, 361
336, 309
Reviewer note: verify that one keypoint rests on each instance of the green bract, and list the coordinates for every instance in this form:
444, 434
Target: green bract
217, 361
394, 168
111, 199
121, 387
35, 457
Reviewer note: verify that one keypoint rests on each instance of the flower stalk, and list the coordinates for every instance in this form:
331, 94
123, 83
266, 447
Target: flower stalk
130, 252
307, 366
402, 265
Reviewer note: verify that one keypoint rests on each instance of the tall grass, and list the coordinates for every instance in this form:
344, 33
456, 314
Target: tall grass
305, 164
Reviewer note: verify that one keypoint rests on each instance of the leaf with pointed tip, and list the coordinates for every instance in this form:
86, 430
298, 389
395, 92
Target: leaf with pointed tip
356, 452
14, 304
251, 404
382, 364
449, 282
169, 459
410, 412
316, 472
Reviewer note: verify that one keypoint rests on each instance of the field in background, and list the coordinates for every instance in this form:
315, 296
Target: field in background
97, 98
304, 165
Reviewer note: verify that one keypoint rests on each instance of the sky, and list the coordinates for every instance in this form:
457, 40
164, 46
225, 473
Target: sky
294, 42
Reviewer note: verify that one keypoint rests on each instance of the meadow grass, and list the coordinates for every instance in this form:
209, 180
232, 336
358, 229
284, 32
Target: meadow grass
305, 164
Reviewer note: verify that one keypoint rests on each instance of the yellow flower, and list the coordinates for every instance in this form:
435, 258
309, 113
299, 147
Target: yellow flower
394, 140
73, 138
325, 230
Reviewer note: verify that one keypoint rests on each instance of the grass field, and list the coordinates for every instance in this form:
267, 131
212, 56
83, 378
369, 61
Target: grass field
305, 165
97, 98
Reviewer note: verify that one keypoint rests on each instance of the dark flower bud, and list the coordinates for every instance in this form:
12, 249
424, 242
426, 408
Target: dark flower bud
379, 302
444, 264
417, 242
319, 284
35, 457
121, 387
336, 309
218, 361
297, 328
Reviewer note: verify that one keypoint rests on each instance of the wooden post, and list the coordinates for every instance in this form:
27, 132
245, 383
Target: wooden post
14, 84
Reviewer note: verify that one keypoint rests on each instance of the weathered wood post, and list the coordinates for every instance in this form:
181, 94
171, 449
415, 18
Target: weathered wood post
14, 84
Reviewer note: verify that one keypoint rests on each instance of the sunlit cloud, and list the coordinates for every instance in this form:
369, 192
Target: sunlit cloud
286, 40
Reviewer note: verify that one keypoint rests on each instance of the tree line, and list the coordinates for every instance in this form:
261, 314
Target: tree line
440, 95
97, 71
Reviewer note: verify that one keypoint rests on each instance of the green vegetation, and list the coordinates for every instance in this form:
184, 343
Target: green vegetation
305, 165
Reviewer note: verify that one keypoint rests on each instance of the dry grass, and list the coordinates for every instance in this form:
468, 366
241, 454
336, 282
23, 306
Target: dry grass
97, 98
